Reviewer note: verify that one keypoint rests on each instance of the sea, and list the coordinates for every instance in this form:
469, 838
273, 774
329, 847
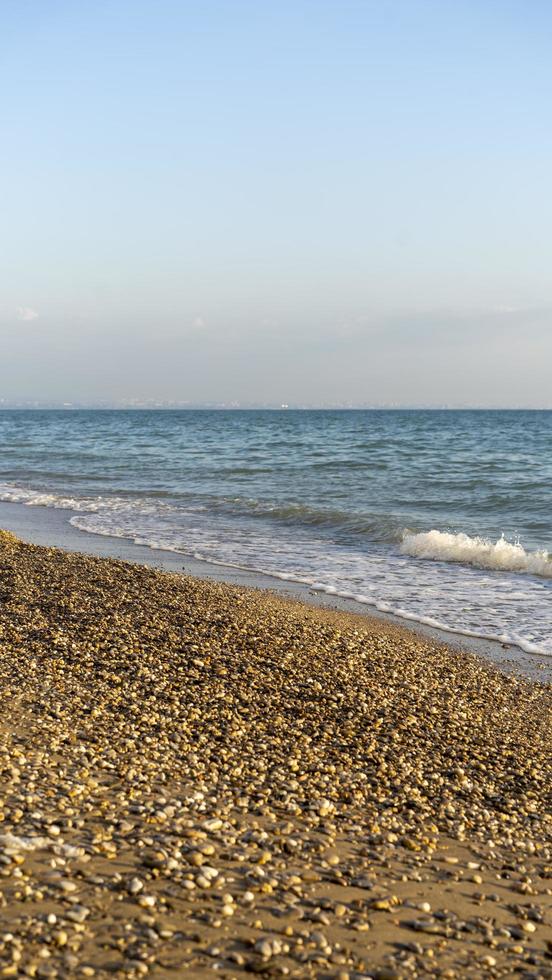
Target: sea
439, 517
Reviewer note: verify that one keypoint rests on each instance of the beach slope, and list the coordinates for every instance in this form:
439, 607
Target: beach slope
204, 780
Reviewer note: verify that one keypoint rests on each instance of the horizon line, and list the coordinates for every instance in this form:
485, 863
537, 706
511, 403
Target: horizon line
253, 407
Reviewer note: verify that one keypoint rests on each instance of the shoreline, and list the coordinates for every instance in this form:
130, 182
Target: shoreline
51, 527
199, 779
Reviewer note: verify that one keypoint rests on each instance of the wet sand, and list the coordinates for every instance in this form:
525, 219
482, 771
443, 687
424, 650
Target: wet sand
200, 779
50, 526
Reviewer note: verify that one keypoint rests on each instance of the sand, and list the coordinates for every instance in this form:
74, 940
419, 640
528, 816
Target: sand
51, 526
204, 780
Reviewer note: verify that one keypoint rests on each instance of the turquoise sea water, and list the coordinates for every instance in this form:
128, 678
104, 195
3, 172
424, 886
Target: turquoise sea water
440, 517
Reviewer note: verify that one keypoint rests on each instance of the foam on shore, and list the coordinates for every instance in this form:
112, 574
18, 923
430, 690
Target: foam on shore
501, 555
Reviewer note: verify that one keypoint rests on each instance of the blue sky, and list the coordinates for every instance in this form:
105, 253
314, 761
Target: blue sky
311, 202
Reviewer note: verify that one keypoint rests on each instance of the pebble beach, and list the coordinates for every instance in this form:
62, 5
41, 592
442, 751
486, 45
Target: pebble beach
203, 780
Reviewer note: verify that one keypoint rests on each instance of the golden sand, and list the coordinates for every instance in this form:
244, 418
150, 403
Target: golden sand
205, 781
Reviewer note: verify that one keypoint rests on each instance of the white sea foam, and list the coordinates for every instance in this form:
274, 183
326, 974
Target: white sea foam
472, 587
501, 555
111, 505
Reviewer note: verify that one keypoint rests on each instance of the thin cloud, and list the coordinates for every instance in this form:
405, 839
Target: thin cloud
198, 323
26, 314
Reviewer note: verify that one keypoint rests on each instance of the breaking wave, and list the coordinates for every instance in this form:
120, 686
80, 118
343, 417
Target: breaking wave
367, 558
501, 555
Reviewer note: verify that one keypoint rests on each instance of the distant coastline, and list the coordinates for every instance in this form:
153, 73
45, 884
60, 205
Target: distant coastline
153, 406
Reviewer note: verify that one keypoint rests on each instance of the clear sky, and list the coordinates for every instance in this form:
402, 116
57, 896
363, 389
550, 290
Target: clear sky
299, 201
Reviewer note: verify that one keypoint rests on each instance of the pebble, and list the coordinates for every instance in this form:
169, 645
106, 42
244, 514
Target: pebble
184, 752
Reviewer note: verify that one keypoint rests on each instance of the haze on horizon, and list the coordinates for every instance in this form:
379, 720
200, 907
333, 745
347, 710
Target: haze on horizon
308, 202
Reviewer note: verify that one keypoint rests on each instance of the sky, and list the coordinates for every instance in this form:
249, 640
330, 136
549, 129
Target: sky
303, 202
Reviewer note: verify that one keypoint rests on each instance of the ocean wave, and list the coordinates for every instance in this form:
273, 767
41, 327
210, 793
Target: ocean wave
380, 527
289, 542
503, 636
501, 555
438, 546
99, 504
303, 514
